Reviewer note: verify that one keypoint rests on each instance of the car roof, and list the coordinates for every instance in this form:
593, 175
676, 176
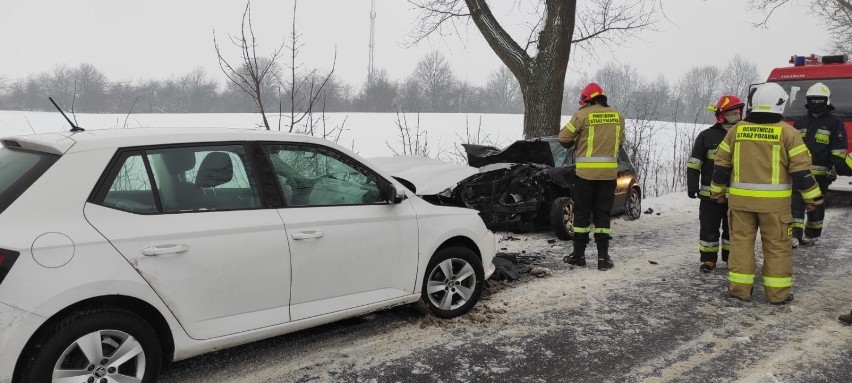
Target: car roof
60, 143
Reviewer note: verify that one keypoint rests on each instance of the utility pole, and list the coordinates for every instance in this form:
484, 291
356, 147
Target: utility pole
371, 66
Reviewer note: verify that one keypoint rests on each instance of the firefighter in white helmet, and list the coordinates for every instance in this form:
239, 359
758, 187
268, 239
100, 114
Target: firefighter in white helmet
764, 160
825, 137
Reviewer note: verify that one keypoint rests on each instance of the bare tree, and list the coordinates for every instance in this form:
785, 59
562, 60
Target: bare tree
91, 86
836, 16
697, 89
413, 140
378, 94
540, 64
504, 91
253, 70
304, 91
738, 75
435, 79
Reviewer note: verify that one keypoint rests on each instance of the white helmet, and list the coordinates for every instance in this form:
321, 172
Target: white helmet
769, 98
819, 90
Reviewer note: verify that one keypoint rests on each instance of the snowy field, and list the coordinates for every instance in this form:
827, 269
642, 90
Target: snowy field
664, 145
368, 133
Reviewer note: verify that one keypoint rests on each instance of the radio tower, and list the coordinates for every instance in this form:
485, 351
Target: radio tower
371, 66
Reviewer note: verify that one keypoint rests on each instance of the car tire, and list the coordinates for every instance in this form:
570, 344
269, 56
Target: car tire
562, 218
59, 348
633, 205
449, 296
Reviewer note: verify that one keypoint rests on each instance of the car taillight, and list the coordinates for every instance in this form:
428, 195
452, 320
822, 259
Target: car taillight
7, 259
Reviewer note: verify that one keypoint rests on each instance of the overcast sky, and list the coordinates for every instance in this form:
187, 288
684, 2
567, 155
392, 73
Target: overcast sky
145, 39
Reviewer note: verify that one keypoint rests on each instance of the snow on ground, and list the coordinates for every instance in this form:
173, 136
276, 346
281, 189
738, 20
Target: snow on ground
652, 318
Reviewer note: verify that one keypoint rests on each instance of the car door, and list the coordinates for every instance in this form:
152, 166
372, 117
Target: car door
350, 246
199, 235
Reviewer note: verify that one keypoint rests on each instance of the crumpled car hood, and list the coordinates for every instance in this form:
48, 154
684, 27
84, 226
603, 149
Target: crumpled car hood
429, 176
535, 152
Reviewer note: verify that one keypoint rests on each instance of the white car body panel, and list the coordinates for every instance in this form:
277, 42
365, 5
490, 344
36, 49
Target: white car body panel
229, 254
362, 254
257, 299
842, 184
429, 176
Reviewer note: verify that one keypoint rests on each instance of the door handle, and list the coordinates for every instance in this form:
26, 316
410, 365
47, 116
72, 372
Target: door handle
164, 249
307, 235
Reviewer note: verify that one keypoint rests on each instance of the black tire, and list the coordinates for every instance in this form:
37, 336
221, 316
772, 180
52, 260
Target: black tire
457, 256
43, 355
562, 218
633, 205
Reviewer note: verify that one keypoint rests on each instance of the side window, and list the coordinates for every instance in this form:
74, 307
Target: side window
313, 176
559, 153
131, 190
204, 178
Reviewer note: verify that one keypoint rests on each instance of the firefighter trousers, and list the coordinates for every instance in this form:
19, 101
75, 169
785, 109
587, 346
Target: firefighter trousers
776, 237
813, 227
592, 204
711, 215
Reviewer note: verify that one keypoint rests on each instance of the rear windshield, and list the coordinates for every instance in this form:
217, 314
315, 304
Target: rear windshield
18, 170
841, 97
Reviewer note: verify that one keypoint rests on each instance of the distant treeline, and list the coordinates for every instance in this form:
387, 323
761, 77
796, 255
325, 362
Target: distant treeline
431, 88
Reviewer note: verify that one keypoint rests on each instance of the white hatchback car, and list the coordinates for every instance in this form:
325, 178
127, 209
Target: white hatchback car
124, 250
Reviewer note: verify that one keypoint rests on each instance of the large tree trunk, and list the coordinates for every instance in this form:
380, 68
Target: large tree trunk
542, 107
542, 78
543, 93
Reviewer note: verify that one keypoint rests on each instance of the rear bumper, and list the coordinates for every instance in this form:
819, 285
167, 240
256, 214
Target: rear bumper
16, 328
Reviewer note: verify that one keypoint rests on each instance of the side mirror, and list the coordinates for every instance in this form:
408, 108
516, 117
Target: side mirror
393, 195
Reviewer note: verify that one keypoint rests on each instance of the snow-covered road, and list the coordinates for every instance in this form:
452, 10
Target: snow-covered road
652, 318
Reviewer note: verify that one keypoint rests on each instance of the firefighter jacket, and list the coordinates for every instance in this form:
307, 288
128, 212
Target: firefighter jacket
598, 132
762, 162
825, 137
699, 167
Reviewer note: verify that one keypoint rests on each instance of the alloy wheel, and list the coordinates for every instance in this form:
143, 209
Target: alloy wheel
568, 216
105, 356
451, 284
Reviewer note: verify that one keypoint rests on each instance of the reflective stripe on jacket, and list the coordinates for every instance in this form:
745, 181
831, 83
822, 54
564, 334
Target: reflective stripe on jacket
825, 137
761, 158
699, 166
598, 132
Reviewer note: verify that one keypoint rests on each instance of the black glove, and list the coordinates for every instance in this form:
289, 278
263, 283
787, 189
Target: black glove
832, 176
692, 194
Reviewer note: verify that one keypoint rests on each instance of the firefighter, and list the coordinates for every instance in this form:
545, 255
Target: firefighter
728, 111
763, 159
597, 131
825, 137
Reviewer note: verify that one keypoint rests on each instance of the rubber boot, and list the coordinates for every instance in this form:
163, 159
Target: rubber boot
604, 262
578, 257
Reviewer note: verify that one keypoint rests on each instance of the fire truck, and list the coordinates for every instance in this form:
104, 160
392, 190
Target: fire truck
833, 71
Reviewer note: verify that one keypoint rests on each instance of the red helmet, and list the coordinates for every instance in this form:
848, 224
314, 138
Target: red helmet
725, 104
589, 92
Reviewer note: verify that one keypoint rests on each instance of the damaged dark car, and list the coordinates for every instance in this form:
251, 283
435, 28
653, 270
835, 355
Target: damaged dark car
527, 186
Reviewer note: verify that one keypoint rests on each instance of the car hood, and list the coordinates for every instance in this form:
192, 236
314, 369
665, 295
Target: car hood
429, 176
523, 152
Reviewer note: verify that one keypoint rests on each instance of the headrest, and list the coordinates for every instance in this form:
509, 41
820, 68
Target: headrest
216, 169
179, 160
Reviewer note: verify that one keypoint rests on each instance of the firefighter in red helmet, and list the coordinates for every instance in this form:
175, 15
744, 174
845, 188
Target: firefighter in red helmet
597, 130
699, 174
